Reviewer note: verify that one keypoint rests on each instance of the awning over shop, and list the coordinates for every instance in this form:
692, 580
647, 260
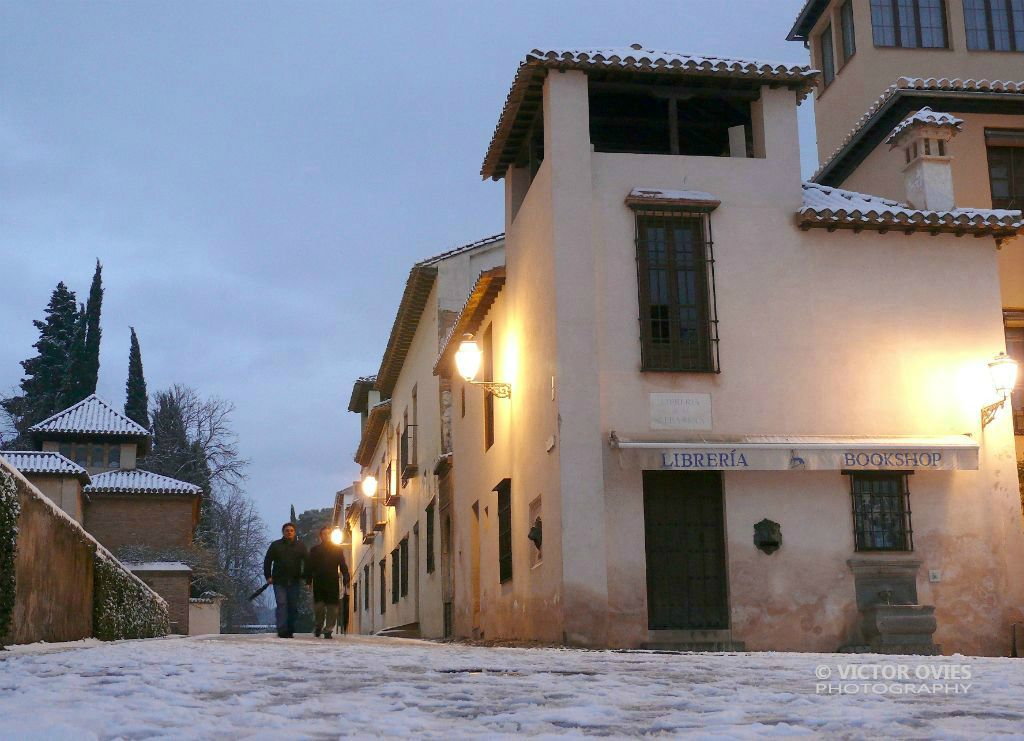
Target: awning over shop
788, 453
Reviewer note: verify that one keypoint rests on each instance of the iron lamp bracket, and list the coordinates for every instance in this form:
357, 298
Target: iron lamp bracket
500, 390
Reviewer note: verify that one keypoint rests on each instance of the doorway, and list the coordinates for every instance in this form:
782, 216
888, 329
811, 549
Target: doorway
684, 525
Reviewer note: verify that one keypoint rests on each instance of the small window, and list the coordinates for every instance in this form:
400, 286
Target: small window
504, 490
849, 38
678, 328
488, 370
67, 450
1015, 349
910, 24
395, 576
536, 528
115, 456
82, 455
430, 537
403, 554
881, 512
994, 25
366, 587
383, 566
355, 596
1006, 167
827, 54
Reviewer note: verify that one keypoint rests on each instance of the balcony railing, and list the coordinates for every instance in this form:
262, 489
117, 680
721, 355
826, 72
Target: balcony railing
408, 451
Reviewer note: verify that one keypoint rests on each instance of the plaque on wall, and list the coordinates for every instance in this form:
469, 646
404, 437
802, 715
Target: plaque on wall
680, 411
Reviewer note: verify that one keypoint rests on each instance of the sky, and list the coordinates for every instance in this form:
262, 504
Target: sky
257, 179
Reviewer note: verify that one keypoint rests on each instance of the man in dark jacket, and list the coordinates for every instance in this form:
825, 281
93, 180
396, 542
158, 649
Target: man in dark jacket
326, 565
284, 568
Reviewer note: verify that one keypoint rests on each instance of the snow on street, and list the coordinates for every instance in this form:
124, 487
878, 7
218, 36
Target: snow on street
264, 687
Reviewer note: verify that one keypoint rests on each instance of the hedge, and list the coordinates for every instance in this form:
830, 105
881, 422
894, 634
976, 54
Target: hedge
122, 606
9, 510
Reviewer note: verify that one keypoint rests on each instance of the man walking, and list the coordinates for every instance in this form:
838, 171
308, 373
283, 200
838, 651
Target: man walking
326, 565
284, 567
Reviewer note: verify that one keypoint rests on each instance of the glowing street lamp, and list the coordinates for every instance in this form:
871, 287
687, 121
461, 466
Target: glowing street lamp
468, 360
337, 536
1003, 370
369, 487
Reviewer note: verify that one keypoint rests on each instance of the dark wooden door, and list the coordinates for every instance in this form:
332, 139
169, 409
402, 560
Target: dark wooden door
684, 524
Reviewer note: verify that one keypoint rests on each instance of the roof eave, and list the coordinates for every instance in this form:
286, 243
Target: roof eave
808, 17
372, 431
485, 291
877, 127
414, 300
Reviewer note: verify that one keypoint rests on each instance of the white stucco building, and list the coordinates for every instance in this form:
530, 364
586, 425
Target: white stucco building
401, 580
745, 409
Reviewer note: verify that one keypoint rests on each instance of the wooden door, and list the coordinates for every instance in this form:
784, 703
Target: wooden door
684, 524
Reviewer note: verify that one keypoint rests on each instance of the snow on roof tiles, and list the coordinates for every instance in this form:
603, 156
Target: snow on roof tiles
925, 117
826, 206
524, 95
139, 482
90, 416
158, 566
494, 239
37, 461
936, 84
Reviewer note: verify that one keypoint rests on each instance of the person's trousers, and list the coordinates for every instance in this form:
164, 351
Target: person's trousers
287, 597
344, 614
322, 610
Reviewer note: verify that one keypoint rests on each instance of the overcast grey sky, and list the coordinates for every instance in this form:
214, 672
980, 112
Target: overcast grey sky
257, 178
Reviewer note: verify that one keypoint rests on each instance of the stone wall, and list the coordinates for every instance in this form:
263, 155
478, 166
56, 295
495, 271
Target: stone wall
156, 522
54, 569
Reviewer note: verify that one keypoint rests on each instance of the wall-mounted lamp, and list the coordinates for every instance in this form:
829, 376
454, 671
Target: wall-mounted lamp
1003, 370
467, 361
337, 536
369, 487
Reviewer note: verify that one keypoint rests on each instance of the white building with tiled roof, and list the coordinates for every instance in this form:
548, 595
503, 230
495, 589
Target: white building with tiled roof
714, 406
57, 477
405, 420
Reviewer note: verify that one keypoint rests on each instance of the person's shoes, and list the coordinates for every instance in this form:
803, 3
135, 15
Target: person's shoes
327, 634
282, 635
288, 635
316, 633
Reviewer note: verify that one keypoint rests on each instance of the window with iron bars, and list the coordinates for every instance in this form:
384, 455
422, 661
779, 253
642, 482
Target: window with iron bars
383, 565
881, 512
394, 575
676, 278
366, 588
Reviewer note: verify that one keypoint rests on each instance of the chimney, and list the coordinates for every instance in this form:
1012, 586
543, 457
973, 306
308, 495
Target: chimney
924, 140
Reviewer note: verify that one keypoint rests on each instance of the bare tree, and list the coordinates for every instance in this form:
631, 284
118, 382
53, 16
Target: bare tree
206, 425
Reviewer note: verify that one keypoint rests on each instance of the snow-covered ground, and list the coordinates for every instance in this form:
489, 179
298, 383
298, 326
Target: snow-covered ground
260, 686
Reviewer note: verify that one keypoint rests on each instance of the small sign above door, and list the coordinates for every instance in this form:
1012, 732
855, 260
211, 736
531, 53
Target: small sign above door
680, 411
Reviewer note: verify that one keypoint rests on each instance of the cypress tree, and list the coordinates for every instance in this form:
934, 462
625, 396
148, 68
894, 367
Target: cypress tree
75, 388
46, 373
93, 309
136, 404
293, 519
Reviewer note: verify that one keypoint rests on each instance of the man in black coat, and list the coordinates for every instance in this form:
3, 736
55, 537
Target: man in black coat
284, 568
326, 565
